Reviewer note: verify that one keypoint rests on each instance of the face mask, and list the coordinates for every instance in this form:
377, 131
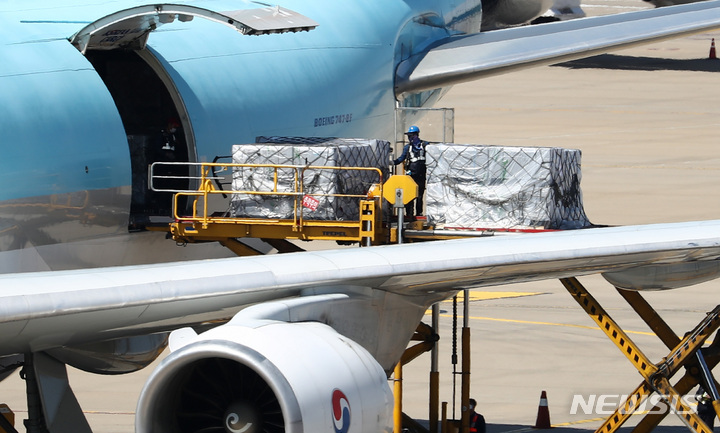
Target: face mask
172, 130
415, 140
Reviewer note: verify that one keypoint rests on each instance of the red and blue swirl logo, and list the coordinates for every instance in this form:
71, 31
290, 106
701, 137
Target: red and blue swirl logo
341, 411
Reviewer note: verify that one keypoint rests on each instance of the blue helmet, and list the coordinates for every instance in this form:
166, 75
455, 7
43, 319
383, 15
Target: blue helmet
413, 130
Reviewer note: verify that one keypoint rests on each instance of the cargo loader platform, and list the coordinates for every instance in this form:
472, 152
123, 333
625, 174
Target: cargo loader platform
201, 221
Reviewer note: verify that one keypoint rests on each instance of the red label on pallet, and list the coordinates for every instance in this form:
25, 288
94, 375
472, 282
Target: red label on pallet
310, 202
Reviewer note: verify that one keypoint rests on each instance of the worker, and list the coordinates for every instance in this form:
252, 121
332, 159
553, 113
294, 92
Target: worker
477, 421
171, 176
171, 135
705, 409
414, 151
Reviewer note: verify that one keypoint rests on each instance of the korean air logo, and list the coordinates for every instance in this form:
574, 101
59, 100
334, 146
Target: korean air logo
341, 411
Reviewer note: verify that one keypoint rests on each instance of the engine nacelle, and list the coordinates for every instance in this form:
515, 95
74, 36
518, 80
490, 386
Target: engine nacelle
266, 376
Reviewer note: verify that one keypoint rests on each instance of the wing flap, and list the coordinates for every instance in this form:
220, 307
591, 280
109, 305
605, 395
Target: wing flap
465, 58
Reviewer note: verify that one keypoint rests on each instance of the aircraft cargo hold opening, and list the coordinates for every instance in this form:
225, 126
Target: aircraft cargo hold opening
149, 115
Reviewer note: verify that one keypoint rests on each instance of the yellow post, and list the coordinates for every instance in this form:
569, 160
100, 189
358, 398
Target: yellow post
465, 384
9, 419
397, 410
434, 373
444, 422
434, 397
716, 406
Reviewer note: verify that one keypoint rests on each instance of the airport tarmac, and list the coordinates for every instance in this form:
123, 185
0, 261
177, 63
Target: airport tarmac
647, 121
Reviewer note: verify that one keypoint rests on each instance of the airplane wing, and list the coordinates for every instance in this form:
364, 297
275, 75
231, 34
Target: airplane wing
464, 58
40, 311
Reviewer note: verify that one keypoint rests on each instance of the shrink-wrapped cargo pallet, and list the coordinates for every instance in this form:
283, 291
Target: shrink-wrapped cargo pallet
319, 184
476, 186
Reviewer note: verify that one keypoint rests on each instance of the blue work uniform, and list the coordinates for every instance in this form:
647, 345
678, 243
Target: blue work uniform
417, 169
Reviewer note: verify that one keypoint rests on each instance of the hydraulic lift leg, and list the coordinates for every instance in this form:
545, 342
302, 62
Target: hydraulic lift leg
656, 377
709, 382
428, 339
6, 426
655, 415
671, 340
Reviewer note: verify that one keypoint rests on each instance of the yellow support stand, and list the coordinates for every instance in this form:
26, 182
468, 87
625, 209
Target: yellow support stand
671, 340
370, 221
7, 423
398, 392
428, 339
444, 421
656, 376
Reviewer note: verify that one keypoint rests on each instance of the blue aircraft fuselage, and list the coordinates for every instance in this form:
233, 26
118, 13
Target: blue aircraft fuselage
75, 126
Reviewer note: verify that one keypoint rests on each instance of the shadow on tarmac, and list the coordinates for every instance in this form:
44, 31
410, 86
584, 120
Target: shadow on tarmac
632, 63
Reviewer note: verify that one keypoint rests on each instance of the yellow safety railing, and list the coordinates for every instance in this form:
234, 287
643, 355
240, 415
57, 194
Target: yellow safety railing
205, 174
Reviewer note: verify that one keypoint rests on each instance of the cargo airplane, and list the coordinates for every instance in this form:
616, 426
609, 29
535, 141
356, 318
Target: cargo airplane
89, 88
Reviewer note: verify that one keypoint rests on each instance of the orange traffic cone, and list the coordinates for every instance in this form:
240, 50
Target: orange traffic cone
712, 50
543, 416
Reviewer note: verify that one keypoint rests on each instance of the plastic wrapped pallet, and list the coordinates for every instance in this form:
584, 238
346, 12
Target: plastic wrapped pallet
334, 152
476, 186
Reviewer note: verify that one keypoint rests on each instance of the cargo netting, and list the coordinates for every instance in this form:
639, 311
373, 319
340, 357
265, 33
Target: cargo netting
493, 187
319, 184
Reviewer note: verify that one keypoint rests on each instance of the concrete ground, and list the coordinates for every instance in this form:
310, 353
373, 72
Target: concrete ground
646, 120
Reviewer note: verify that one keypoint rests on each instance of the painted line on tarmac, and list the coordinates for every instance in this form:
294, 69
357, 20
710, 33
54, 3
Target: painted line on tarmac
582, 421
476, 295
531, 322
566, 325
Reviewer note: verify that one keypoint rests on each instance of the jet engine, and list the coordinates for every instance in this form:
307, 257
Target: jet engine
265, 376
